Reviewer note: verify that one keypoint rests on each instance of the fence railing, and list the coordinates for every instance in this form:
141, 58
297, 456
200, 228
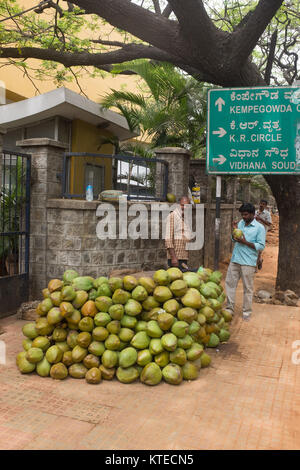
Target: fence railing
138, 177
15, 171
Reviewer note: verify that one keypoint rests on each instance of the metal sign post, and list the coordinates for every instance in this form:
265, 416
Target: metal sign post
217, 222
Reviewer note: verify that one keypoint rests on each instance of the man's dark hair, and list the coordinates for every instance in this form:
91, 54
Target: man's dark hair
264, 200
247, 207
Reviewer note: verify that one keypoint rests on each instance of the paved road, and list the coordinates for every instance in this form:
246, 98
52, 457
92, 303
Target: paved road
248, 399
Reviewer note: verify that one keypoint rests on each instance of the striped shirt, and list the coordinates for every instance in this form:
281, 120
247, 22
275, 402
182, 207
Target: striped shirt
177, 235
265, 215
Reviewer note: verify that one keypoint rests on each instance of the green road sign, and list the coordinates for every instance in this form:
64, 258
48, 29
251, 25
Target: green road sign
254, 130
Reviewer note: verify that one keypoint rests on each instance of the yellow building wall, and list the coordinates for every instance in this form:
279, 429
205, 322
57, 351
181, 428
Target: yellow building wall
87, 138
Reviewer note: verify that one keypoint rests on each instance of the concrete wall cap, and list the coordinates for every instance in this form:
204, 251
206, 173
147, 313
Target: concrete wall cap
174, 150
200, 162
81, 204
41, 142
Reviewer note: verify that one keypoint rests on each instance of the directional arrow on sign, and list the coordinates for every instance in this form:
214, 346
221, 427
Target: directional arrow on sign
220, 159
221, 132
219, 102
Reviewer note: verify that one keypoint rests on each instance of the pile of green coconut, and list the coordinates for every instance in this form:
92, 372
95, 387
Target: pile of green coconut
151, 328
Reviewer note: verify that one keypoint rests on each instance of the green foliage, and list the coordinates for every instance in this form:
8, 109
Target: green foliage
169, 111
66, 28
228, 15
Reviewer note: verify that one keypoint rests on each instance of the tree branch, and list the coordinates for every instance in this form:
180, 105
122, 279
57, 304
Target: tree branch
271, 57
156, 7
138, 21
49, 4
167, 11
193, 20
126, 53
246, 37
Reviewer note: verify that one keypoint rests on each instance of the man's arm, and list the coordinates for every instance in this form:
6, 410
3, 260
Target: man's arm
259, 245
243, 241
169, 241
262, 221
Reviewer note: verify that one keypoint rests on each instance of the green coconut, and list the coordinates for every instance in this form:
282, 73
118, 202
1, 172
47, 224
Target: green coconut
59, 371
172, 374
151, 374
93, 376
97, 348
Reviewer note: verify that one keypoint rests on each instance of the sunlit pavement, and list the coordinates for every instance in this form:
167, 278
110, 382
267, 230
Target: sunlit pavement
248, 399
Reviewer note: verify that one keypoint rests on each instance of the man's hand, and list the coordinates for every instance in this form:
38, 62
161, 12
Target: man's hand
174, 262
241, 240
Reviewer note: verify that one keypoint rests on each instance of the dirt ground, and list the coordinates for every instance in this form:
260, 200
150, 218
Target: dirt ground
248, 398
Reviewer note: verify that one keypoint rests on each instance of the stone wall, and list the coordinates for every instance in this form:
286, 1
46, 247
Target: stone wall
63, 231
71, 242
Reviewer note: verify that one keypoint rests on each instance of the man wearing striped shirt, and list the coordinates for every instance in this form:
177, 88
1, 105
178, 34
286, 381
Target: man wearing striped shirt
178, 234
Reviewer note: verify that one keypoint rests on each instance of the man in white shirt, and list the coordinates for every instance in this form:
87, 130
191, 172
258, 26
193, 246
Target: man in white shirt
263, 216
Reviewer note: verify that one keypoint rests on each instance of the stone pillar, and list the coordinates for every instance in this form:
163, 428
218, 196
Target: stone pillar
46, 165
179, 163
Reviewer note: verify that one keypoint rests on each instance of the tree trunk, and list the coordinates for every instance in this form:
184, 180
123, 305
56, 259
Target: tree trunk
286, 190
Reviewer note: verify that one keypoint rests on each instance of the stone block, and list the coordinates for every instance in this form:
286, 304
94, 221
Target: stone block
52, 257
71, 243
38, 215
73, 230
140, 255
39, 161
38, 188
109, 259
54, 189
65, 216
53, 176
136, 244
38, 201
90, 228
89, 216
37, 268
120, 257
55, 271
90, 244
54, 243
86, 258
95, 273
74, 258
56, 229
39, 242
96, 258
149, 255
62, 257
40, 257
131, 257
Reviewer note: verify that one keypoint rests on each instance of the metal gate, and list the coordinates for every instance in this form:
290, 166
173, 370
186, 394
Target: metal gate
15, 169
